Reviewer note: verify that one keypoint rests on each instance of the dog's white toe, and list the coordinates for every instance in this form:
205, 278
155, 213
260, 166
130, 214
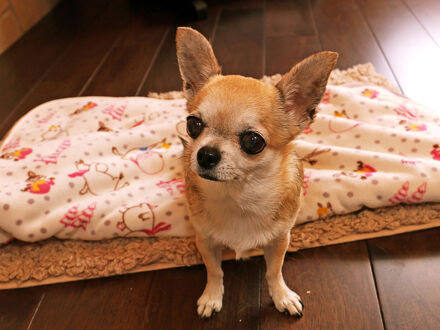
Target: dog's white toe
209, 302
286, 300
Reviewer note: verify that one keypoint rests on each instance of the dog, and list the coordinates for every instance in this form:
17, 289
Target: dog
243, 178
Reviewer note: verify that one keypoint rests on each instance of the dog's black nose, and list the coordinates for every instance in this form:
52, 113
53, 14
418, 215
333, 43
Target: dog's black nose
208, 157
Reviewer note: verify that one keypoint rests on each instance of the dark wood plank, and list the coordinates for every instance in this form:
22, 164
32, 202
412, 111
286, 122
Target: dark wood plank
412, 54
164, 74
407, 270
17, 307
108, 303
290, 34
124, 70
93, 37
19, 71
427, 13
336, 285
59, 82
238, 43
172, 303
343, 29
240, 4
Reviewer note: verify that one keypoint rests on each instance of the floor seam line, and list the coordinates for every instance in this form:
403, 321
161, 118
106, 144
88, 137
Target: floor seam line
99, 66
36, 310
153, 60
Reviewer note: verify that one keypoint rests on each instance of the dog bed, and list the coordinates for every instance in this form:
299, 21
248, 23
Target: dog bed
108, 170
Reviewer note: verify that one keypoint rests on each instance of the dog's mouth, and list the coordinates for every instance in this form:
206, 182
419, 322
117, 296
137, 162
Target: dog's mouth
209, 177
216, 175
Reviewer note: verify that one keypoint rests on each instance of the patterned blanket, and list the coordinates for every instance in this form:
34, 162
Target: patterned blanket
100, 167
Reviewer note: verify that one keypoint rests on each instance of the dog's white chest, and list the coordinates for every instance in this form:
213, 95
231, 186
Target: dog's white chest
244, 220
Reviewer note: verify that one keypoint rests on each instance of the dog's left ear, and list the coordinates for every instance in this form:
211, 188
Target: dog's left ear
197, 62
303, 86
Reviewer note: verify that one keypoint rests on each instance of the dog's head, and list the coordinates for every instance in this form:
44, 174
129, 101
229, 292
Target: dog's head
237, 124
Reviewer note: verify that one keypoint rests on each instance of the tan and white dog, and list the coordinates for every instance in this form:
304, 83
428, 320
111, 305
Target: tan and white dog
243, 177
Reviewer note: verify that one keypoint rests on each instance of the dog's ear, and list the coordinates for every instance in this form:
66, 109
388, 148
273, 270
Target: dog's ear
197, 62
303, 86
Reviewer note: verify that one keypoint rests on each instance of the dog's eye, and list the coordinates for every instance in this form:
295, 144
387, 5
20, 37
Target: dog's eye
252, 143
194, 126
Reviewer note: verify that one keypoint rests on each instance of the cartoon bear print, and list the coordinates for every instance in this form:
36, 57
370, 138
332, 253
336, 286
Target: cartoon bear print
435, 152
17, 155
103, 128
310, 158
87, 107
141, 218
144, 119
413, 127
97, 180
340, 128
38, 184
138, 122
364, 170
370, 93
148, 159
341, 114
54, 132
324, 211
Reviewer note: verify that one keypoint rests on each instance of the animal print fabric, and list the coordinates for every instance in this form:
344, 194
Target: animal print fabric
99, 167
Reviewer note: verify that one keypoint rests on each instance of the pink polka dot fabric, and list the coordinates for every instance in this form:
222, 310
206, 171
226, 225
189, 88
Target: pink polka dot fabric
100, 167
94, 168
368, 147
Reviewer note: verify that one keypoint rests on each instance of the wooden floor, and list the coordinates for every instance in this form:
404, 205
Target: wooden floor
122, 48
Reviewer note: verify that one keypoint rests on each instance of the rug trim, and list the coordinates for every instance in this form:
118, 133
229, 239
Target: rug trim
325, 232
227, 255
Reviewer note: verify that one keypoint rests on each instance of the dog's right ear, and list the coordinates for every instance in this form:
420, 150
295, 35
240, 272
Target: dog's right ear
303, 87
197, 62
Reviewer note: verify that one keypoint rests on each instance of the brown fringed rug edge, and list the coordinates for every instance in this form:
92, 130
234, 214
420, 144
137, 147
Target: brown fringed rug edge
54, 261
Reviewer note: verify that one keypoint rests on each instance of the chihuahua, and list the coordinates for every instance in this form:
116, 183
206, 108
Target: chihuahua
242, 175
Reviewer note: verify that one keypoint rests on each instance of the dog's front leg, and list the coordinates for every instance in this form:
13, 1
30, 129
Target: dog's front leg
285, 300
211, 299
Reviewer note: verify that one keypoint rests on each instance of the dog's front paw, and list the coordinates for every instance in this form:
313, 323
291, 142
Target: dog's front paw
210, 301
286, 300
